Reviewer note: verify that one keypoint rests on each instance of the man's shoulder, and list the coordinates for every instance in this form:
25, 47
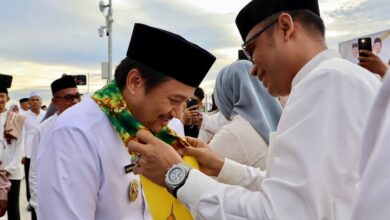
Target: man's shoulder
83, 116
343, 71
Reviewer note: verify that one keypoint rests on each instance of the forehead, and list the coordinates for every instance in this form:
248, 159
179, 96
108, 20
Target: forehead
35, 98
67, 91
175, 88
2, 94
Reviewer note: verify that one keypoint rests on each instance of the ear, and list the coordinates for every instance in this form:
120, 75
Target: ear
287, 25
134, 81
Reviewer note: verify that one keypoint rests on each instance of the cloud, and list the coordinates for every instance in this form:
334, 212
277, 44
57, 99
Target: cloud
43, 39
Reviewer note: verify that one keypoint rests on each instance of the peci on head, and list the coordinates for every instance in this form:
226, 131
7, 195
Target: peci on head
65, 93
280, 31
5, 84
24, 104
35, 101
160, 72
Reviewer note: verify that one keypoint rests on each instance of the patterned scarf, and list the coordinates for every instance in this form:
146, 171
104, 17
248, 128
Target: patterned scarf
161, 203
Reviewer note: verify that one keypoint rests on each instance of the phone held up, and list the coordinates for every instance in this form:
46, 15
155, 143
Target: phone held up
364, 44
191, 102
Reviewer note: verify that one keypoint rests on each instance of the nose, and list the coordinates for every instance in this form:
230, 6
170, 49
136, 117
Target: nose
75, 101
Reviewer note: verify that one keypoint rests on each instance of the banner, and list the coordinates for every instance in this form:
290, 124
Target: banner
380, 46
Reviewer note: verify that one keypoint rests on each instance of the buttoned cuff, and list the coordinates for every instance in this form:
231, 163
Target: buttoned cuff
231, 172
194, 187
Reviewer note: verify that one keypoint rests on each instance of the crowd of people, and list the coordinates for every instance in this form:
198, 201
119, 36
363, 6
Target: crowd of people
295, 132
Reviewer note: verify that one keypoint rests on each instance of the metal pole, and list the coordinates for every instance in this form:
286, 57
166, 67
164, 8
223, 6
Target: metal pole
109, 27
88, 82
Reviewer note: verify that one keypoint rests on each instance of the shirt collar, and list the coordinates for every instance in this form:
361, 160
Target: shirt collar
313, 63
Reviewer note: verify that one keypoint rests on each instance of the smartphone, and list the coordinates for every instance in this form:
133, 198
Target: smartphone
364, 44
191, 102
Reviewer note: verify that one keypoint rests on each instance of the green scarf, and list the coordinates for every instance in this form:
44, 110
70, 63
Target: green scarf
160, 202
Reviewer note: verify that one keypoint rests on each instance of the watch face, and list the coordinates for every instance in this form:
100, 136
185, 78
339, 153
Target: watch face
176, 175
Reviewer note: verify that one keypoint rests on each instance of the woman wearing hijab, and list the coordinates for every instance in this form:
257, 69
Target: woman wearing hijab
253, 113
14, 108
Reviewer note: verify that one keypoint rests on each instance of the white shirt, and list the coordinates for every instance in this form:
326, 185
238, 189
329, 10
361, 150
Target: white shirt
31, 123
312, 168
240, 142
40, 131
374, 196
211, 124
81, 169
177, 126
11, 154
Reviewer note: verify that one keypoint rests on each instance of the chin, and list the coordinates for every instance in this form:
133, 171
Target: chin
156, 128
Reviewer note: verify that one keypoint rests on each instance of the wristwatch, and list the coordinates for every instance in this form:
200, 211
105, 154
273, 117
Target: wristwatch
176, 177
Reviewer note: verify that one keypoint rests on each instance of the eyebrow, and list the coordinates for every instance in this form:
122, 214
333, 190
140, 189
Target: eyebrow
179, 96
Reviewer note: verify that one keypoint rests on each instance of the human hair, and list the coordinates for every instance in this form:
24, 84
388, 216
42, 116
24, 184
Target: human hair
152, 78
310, 21
199, 93
378, 40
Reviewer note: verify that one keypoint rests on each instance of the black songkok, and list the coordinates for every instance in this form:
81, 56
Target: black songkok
257, 10
23, 100
169, 54
63, 83
5, 83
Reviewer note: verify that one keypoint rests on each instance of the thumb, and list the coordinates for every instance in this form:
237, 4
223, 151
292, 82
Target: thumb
144, 136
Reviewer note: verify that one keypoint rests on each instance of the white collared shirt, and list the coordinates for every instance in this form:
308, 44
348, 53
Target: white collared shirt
80, 169
31, 123
40, 131
312, 166
374, 196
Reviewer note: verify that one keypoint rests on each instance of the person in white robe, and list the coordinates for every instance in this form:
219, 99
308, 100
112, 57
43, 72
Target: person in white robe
83, 171
312, 164
253, 113
33, 118
374, 188
65, 95
11, 150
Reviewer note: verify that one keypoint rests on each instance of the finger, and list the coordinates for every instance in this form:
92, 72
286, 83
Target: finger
138, 170
363, 59
366, 52
134, 146
194, 152
192, 108
144, 136
192, 141
180, 152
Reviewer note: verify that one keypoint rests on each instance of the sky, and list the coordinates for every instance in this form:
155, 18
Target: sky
42, 39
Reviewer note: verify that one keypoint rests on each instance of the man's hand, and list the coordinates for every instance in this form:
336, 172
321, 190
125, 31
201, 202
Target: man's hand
191, 115
156, 157
372, 63
3, 207
210, 162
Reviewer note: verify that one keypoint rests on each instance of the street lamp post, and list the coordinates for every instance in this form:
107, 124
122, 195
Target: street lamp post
108, 27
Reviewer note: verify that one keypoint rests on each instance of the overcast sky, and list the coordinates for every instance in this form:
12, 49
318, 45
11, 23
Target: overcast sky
41, 39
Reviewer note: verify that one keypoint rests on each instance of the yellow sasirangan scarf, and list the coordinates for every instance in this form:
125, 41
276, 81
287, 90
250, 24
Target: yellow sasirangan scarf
161, 203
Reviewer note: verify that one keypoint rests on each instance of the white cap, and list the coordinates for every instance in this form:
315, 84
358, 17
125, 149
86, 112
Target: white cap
33, 93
